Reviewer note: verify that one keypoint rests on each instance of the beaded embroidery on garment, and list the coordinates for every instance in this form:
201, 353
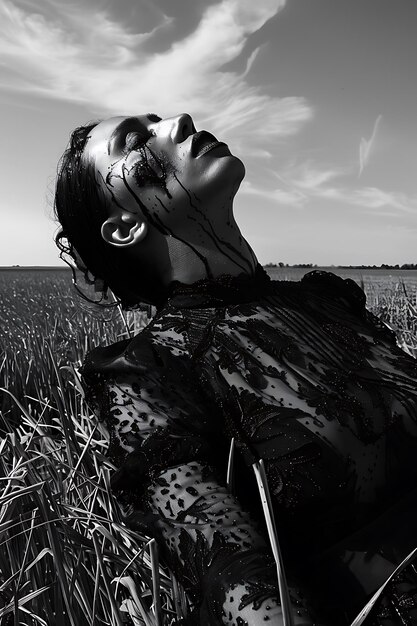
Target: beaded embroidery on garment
303, 376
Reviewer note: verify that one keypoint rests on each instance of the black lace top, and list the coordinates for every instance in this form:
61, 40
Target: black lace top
302, 376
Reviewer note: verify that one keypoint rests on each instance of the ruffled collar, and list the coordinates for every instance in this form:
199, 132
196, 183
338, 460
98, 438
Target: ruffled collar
220, 291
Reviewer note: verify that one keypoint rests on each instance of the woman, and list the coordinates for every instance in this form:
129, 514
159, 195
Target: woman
299, 373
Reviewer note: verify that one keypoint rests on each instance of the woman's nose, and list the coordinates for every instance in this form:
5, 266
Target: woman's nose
182, 127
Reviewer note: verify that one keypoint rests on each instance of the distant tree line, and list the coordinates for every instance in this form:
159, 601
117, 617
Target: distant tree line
383, 266
280, 264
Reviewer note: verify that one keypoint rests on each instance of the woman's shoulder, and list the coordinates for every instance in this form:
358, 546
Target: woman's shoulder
117, 356
149, 352
343, 301
334, 287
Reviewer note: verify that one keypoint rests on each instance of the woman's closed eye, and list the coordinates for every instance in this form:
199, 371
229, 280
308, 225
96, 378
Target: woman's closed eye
135, 140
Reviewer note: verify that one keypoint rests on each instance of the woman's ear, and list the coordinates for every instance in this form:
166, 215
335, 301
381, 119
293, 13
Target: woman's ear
124, 229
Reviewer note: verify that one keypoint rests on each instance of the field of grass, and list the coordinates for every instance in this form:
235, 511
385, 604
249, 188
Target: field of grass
65, 555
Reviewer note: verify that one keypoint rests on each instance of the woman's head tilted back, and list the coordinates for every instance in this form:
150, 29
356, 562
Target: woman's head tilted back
81, 208
144, 201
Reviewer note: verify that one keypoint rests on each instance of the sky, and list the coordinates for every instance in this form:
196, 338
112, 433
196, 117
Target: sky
317, 97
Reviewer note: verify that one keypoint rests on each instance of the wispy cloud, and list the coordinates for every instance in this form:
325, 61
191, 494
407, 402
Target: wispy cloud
251, 60
366, 146
300, 184
286, 197
310, 177
391, 203
374, 198
80, 53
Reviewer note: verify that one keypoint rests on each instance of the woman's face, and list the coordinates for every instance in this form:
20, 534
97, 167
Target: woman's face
165, 168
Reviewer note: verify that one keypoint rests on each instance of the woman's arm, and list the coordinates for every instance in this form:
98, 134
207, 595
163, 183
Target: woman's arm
159, 442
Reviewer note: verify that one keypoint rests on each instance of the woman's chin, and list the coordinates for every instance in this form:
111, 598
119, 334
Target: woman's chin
232, 169
236, 173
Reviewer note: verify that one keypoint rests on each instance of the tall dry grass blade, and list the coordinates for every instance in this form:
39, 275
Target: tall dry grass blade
115, 609
75, 377
18, 493
74, 470
16, 401
122, 315
96, 592
128, 564
22, 601
177, 599
38, 619
26, 553
263, 488
231, 466
156, 581
360, 618
147, 618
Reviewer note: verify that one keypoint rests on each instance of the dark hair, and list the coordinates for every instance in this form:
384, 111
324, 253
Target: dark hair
80, 207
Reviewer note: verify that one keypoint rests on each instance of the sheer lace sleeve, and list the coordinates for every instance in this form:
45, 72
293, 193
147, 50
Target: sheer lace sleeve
165, 441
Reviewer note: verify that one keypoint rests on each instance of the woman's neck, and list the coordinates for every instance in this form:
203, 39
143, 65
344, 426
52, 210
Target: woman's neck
191, 262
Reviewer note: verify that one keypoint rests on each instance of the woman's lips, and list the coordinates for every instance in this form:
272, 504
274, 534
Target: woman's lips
202, 142
211, 146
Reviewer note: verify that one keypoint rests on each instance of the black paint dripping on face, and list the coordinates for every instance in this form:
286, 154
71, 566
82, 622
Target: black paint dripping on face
183, 189
221, 244
147, 168
162, 228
